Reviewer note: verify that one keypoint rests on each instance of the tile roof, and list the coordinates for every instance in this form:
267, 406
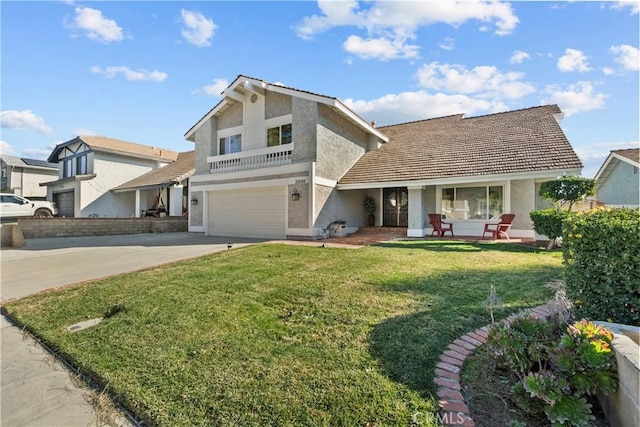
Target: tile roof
173, 173
103, 143
524, 140
632, 154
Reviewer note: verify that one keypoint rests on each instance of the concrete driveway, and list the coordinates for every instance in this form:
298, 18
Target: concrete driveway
36, 390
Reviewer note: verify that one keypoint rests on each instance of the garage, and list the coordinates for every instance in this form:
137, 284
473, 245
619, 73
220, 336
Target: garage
257, 212
65, 203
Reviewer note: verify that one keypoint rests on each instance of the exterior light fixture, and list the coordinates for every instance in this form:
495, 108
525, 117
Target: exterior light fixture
194, 200
295, 195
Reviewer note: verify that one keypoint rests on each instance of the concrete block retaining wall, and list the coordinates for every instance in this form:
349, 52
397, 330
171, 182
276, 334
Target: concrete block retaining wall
37, 228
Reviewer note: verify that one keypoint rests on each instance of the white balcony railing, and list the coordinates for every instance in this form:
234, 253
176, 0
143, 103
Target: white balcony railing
252, 159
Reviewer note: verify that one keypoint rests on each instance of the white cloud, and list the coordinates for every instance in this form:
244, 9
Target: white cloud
627, 56
6, 148
576, 98
23, 120
80, 131
198, 29
129, 74
389, 25
519, 56
608, 71
484, 81
408, 106
573, 60
216, 88
37, 153
633, 5
380, 48
447, 44
96, 26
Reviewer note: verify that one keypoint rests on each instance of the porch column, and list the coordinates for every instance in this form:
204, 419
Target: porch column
136, 213
416, 212
175, 200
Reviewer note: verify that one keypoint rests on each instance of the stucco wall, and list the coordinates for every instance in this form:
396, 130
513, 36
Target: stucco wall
195, 212
26, 181
304, 123
429, 195
523, 201
333, 205
231, 117
277, 104
340, 144
622, 186
205, 144
299, 209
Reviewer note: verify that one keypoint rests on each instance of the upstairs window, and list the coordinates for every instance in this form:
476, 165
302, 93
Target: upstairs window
67, 168
81, 165
230, 144
279, 135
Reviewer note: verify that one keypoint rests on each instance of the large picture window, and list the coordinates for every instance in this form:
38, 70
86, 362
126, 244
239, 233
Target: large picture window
472, 202
230, 144
279, 135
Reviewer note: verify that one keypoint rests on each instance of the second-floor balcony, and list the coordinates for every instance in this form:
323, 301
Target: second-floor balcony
252, 159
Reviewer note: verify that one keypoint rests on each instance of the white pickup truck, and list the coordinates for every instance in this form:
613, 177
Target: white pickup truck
12, 206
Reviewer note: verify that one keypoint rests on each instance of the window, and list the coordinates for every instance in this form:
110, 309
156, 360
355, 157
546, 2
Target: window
279, 135
472, 202
67, 168
81, 165
230, 144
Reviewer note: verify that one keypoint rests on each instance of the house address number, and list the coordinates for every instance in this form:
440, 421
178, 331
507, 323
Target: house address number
301, 181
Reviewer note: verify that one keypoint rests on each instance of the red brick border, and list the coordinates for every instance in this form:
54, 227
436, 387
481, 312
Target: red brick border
454, 410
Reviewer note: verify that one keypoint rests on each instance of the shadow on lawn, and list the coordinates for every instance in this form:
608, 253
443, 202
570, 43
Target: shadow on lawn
461, 246
409, 346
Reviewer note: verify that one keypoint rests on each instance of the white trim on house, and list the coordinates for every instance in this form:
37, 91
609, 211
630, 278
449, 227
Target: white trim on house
246, 176
606, 163
460, 180
326, 182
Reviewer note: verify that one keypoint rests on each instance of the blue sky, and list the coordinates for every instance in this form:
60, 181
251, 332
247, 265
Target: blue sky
147, 71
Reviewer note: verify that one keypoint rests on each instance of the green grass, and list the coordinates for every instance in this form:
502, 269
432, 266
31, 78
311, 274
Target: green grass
287, 335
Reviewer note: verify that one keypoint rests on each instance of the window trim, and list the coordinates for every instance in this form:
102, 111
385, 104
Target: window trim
279, 127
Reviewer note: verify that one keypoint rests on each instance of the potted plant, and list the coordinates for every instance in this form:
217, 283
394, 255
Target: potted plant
370, 207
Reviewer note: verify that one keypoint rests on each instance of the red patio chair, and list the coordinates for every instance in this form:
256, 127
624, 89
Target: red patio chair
496, 229
439, 226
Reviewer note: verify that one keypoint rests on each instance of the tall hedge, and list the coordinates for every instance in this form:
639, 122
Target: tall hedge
602, 258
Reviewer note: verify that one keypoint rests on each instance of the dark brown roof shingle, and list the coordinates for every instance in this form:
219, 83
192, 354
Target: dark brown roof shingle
524, 140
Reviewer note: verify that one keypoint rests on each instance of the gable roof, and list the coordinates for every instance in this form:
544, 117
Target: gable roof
117, 146
163, 177
244, 83
527, 140
630, 155
24, 162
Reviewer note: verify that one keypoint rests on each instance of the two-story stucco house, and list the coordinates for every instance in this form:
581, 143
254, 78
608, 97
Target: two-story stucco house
618, 180
278, 162
90, 166
22, 176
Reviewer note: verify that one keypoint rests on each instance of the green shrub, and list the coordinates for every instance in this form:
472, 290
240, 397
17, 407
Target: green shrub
548, 222
554, 371
565, 191
602, 258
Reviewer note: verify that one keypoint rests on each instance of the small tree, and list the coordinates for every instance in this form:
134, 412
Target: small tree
567, 190
563, 193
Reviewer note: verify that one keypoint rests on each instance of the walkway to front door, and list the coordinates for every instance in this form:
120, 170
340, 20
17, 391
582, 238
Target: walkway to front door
396, 207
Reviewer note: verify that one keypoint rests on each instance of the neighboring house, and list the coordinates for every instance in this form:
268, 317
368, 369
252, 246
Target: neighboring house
618, 181
90, 166
167, 186
274, 162
22, 176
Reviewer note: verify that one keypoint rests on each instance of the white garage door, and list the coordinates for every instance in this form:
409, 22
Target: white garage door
257, 212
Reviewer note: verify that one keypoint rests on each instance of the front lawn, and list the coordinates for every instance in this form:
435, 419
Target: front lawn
287, 335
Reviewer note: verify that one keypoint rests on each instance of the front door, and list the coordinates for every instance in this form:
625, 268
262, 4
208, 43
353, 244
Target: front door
396, 207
